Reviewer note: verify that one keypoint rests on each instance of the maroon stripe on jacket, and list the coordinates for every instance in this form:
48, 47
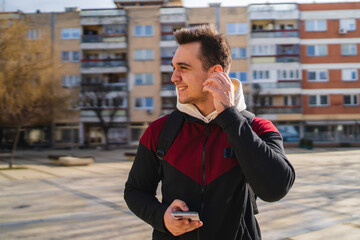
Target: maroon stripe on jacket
260, 126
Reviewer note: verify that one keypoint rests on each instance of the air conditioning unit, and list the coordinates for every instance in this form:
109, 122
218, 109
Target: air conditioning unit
342, 31
150, 111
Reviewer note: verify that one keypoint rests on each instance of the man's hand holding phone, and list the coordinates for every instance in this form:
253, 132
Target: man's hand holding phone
175, 221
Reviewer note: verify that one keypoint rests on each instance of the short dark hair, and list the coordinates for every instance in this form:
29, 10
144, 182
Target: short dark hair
215, 49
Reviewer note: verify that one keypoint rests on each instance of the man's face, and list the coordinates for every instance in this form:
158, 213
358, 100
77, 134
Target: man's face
189, 75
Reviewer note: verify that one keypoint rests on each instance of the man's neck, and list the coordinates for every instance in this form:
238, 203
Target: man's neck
205, 110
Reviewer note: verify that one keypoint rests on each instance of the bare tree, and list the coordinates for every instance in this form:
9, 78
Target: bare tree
27, 90
105, 103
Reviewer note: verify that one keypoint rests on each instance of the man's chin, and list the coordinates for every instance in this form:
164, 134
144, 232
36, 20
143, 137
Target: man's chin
184, 101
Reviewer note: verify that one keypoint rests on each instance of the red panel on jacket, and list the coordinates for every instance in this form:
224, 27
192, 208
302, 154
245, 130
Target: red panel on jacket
186, 152
260, 126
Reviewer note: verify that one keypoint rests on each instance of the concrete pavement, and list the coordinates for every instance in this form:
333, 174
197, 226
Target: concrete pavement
45, 201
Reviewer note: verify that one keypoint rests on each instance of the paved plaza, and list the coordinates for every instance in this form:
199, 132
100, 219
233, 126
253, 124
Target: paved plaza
45, 201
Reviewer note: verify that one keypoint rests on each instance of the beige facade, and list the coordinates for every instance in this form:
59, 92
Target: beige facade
139, 17
66, 33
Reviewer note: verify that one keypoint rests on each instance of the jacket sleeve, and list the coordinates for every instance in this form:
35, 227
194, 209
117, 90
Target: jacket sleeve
261, 158
141, 186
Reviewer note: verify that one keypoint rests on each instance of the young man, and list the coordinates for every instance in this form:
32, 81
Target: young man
216, 155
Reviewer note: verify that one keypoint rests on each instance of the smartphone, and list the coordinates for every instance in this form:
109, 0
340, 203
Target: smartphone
193, 216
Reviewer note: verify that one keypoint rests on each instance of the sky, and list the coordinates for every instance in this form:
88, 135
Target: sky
29, 6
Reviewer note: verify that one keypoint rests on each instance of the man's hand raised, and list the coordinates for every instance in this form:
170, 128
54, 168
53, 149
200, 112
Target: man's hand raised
222, 89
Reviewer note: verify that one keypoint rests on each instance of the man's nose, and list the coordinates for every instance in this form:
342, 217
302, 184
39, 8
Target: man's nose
175, 77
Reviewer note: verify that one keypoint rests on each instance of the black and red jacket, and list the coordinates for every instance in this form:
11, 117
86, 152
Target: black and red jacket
207, 167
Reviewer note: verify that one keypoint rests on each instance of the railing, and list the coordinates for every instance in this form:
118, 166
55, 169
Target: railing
166, 60
288, 59
295, 84
275, 33
102, 12
120, 38
87, 63
278, 109
167, 37
89, 112
321, 136
119, 87
168, 87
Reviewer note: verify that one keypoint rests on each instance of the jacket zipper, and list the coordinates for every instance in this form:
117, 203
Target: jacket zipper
203, 172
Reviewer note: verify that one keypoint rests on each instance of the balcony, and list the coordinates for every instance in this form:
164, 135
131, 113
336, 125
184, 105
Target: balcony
102, 17
173, 15
290, 33
273, 11
93, 66
168, 90
278, 109
294, 84
108, 41
88, 115
166, 61
108, 87
285, 59
168, 40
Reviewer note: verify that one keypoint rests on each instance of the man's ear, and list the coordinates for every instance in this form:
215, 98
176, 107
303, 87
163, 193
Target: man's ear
217, 68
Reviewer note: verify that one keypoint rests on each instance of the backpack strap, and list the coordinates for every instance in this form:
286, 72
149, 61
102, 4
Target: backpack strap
169, 132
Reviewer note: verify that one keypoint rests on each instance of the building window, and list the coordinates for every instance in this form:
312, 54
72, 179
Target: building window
144, 79
238, 53
349, 74
70, 33
143, 30
70, 56
315, 25
264, 101
261, 75
168, 52
290, 100
236, 28
144, 54
317, 75
291, 74
351, 100
348, 49
35, 34
144, 103
348, 24
316, 50
263, 50
114, 29
242, 76
70, 81
318, 100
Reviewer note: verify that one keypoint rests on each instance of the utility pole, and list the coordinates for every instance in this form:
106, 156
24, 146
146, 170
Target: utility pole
3, 6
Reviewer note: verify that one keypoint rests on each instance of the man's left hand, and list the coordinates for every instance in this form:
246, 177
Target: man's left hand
222, 89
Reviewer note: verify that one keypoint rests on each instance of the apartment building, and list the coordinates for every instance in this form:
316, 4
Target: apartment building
330, 60
275, 72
